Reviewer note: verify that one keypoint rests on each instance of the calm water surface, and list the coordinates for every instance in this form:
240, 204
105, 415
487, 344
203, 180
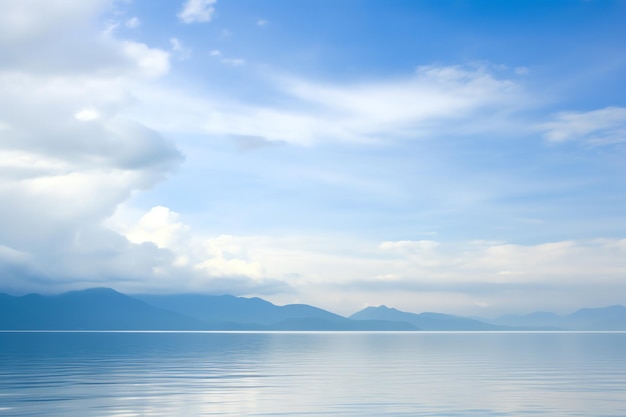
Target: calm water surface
312, 374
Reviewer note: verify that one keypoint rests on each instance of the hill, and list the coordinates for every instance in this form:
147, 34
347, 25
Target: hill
107, 309
598, 319
424, 321
92, 309
255, 313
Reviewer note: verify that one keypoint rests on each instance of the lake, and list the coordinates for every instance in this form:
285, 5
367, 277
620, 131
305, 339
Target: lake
312, 374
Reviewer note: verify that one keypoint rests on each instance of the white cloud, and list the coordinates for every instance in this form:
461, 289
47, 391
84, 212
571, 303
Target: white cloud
409, 245
28, 21
70, 154
480, 277
436, 100
262, 22
521, 70
197, 11
235, 62
152, 62
159, 226
179, 49
410, 107
133, 23
599, 127
197, 262
87, 114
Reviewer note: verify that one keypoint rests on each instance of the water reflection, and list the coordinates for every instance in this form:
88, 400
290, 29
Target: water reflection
341, 374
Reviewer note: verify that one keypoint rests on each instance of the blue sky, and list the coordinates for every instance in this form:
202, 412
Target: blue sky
456, 156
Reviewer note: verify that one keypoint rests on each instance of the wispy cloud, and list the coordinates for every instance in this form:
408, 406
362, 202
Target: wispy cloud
598, 127
235, 62
133, 23
436, 99
180, 50
197, 11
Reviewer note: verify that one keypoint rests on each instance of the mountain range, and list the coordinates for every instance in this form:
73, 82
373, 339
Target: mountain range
605, 318
107, 309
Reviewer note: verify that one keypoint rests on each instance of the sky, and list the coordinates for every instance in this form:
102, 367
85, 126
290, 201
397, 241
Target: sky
465, 157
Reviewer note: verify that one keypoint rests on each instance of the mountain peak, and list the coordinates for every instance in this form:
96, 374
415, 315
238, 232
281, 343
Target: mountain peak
381, 307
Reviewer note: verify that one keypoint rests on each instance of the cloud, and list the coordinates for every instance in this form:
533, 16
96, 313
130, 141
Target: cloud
69, 153
344, 274
235, 62
132, 23
151, 62
434, 96
247, 143
435, 100
197, 263
598, 127
181, 51
197, 11
26, 22
262, 22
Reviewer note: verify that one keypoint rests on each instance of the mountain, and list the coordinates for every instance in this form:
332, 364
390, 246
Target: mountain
107, 309
92, 309
538, 319
228, 308
424, 321
603, 318
221, 311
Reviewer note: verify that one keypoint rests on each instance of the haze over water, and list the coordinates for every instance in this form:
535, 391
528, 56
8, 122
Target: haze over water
337, 374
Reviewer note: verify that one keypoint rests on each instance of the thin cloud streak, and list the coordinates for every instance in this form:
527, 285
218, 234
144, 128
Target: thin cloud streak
435, 99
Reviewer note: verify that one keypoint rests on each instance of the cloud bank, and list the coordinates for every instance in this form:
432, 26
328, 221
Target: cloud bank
70, 155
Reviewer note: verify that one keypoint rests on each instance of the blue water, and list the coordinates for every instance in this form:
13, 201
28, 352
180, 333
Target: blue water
312, 374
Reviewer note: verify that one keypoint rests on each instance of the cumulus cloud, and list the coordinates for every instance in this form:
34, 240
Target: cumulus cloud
198, 263
598, 127
194, 11
69, 155
151, 62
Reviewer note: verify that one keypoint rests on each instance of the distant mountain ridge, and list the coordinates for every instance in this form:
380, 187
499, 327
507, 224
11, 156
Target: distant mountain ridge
107, 309
91, 309
228, 308
227, 311
425, 321
602, 318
